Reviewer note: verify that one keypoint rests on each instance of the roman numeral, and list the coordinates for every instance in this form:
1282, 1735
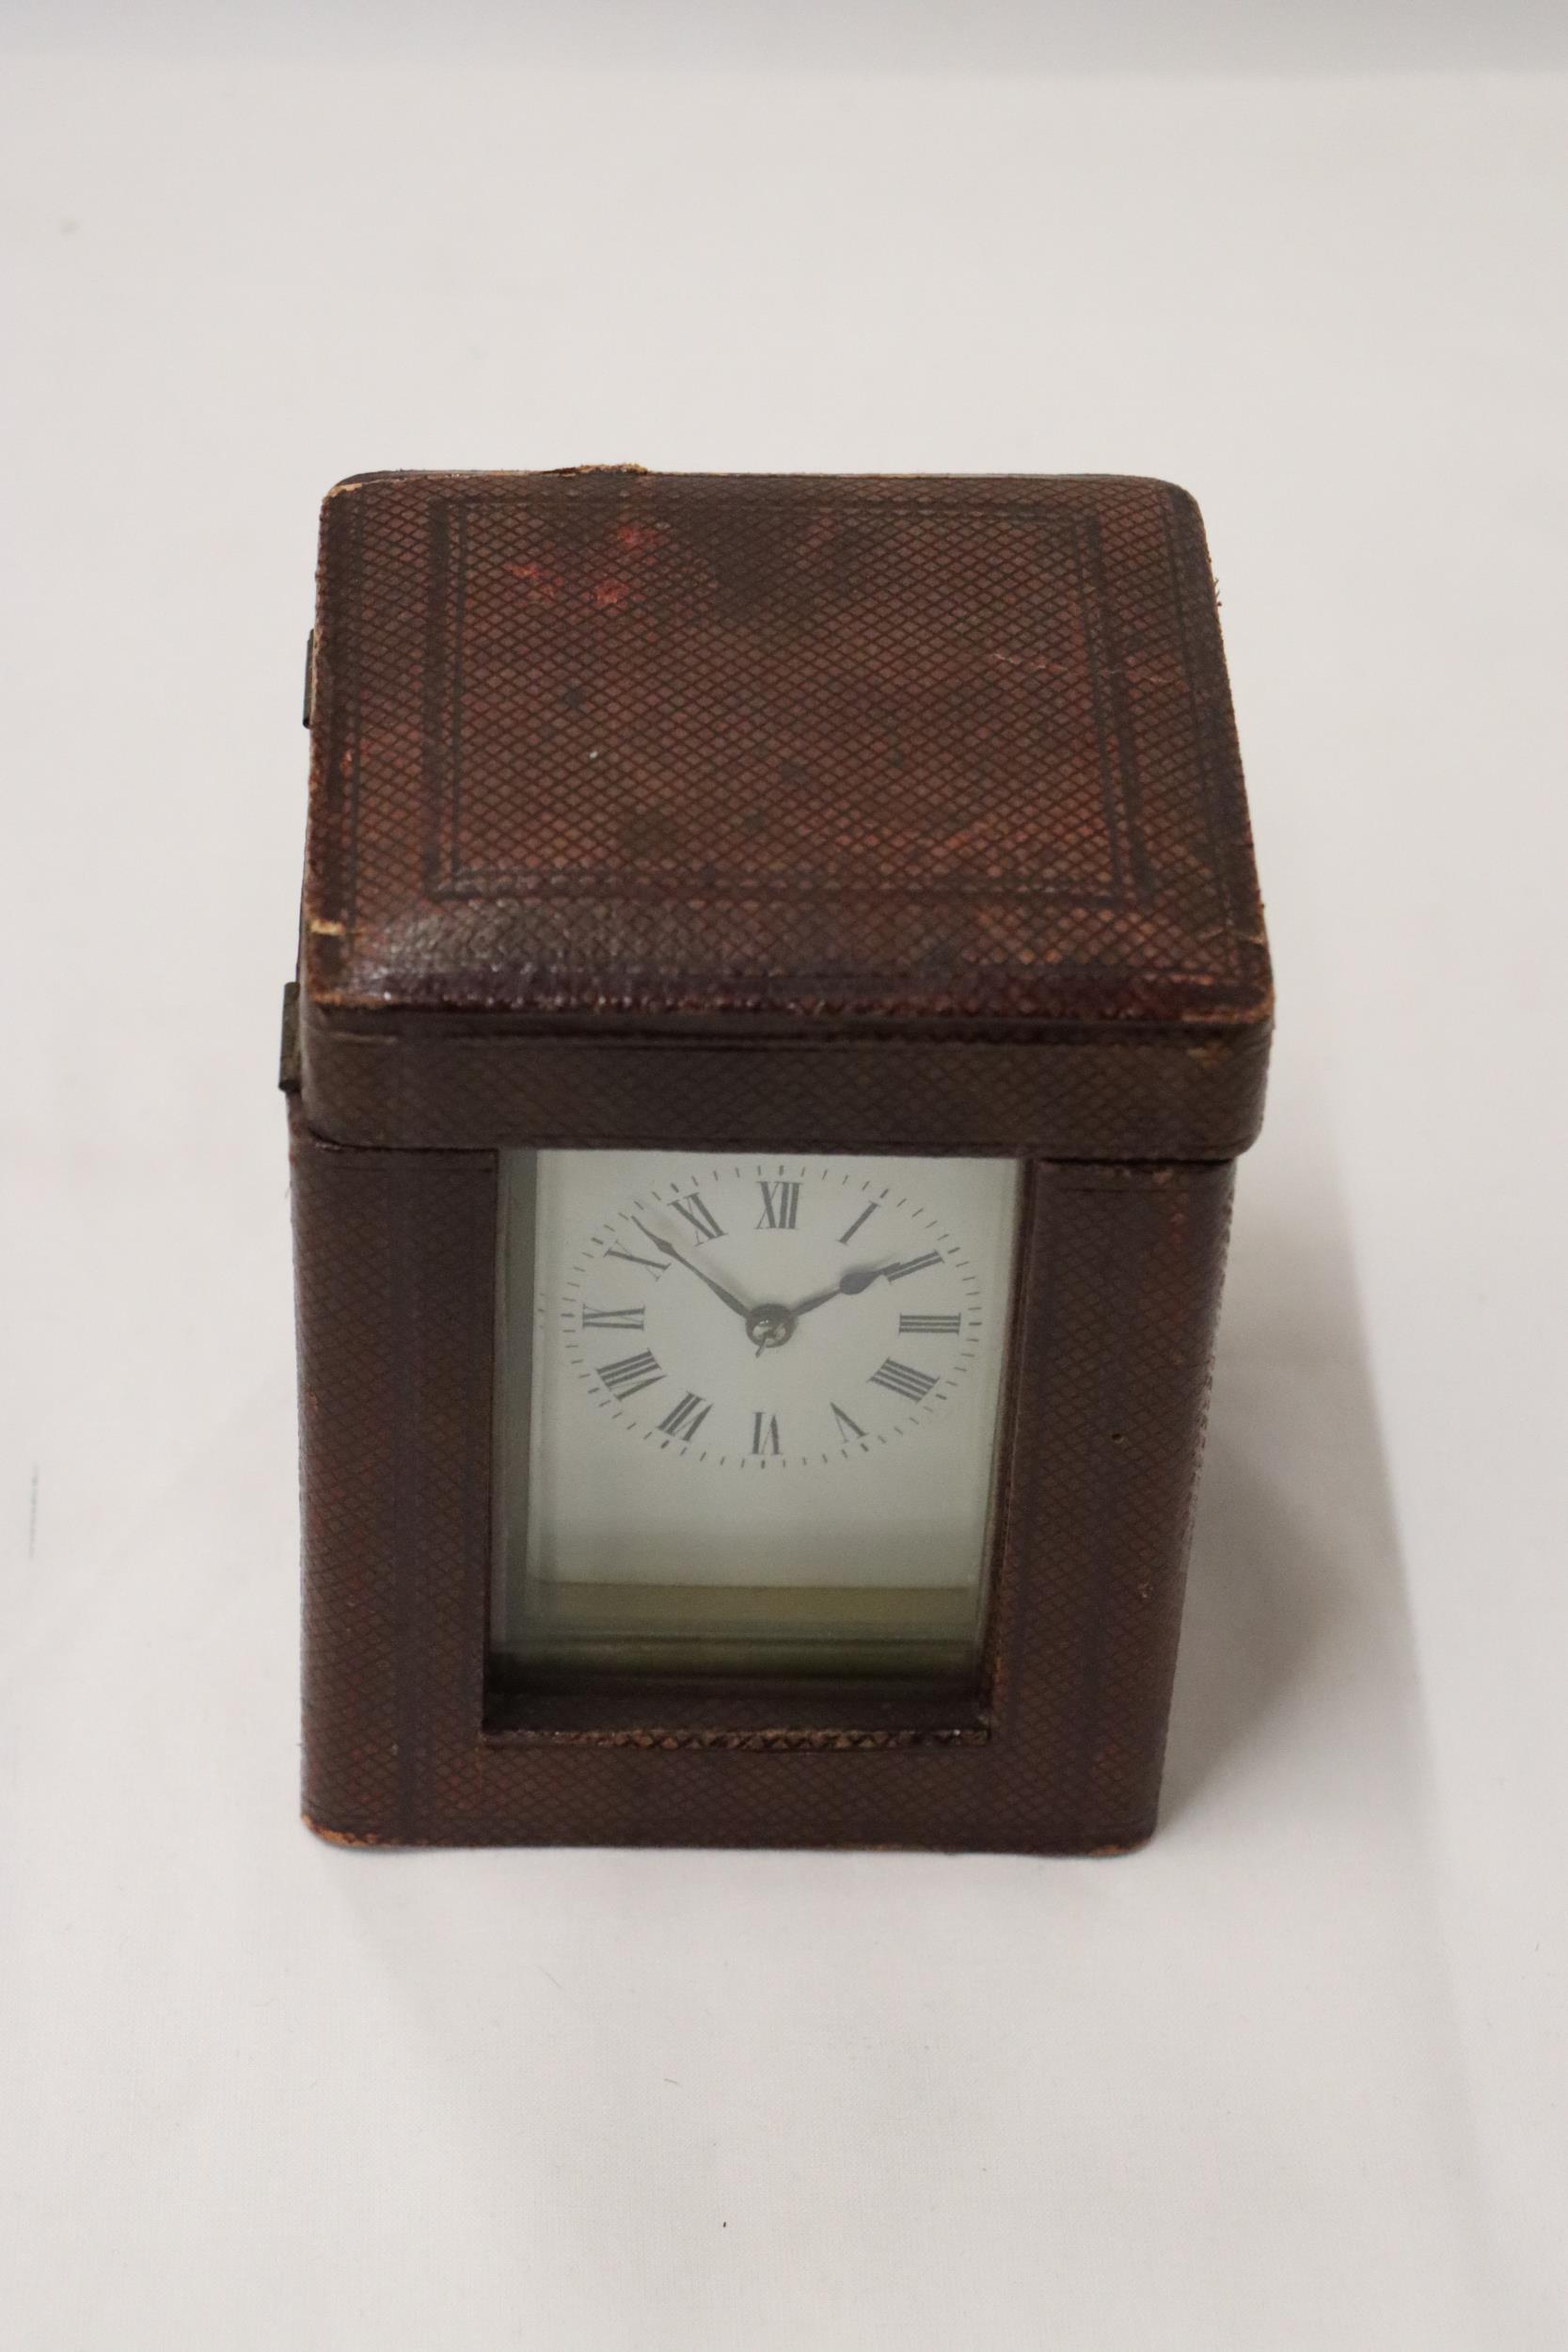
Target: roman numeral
946, 1323
780, 1204
684, 1419
870, 1210
903, 1380
613, 1318
654, 1265
765, 1433
846, 1428
632, 1374
913, 1265
699, 1216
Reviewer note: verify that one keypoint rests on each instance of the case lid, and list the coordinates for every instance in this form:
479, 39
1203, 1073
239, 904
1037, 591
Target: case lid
823, 811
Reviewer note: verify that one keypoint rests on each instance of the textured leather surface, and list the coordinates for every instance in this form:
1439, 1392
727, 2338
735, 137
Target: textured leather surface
1128, 1097
1061, 1752
733, 813
796, 762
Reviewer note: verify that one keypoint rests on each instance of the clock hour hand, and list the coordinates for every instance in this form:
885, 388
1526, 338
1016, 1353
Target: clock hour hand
736, 1306
858, 1279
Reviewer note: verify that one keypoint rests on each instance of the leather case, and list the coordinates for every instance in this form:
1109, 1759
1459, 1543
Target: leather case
815, 814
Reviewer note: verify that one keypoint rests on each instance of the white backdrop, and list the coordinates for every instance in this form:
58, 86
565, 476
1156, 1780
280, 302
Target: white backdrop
1294, 2076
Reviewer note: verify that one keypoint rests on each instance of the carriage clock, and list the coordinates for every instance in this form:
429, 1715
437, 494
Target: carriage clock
782, 992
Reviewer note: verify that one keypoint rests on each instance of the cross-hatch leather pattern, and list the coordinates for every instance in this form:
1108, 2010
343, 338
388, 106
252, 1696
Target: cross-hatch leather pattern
868, 815
395, 1256
905, 750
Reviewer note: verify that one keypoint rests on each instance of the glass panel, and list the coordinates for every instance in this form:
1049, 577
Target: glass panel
748, 1411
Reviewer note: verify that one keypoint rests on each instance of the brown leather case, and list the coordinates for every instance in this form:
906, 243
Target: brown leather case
799, 813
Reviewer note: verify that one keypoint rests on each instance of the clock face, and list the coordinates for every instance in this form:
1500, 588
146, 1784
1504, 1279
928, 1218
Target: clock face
776, 1313
742, 1396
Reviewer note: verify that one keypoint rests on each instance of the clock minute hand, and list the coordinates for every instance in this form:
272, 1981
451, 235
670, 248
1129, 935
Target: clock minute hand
734, 1305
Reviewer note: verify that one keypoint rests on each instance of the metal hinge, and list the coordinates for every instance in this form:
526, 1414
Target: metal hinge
287, 1053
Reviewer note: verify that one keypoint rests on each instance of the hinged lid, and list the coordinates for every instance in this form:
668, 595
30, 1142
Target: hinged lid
824, 811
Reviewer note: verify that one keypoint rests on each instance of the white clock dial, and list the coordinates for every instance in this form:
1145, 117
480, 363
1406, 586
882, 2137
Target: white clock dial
774, 1312
741, 1374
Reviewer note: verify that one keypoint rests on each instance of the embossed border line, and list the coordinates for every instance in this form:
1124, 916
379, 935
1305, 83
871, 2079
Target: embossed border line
446, 877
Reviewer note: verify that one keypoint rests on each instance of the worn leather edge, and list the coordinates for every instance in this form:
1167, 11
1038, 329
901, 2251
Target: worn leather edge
1149, 1095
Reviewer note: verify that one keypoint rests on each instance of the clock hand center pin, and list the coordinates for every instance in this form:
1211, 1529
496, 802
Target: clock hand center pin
771, 1325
